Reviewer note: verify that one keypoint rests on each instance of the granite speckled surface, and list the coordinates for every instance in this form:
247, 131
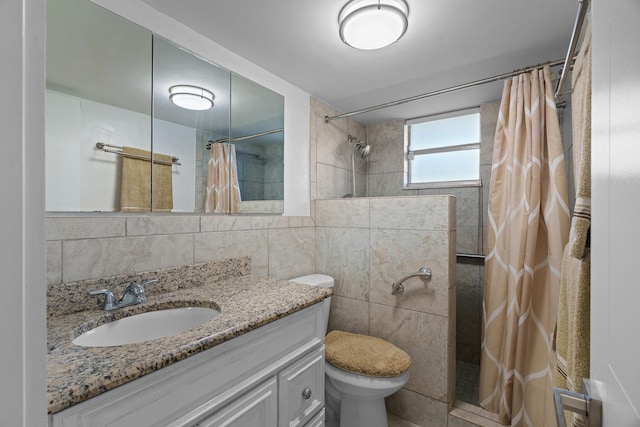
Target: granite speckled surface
77, 373
65, 298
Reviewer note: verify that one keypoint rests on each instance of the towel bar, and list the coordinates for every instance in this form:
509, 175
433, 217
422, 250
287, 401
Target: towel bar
108, 148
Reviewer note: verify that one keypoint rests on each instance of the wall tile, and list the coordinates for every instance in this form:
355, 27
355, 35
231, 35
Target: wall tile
333, 182
398, 253
343, 253
217, 246
291, 252
417, 408
468, 415
54, 262
387, 147
84, 227
387, 184
424, 338
96, 258
467, 200
225, 222
266, 222
395, 421
332, 145
358, 131
343, 213
410, 213
301, 221
488, 120
350, 315
468, 240
169, 224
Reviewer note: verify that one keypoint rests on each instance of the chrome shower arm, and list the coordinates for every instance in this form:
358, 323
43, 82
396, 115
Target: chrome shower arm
398, 286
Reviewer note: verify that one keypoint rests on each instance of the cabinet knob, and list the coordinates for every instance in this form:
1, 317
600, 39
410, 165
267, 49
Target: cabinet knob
306, 393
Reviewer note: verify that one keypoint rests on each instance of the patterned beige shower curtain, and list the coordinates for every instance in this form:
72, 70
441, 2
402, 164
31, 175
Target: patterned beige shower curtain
528, 229
223, 190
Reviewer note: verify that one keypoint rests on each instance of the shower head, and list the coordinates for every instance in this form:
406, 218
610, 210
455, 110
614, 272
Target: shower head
362, 147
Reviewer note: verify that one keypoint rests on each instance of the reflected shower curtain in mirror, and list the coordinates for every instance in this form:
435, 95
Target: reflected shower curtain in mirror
528, 229
223, 190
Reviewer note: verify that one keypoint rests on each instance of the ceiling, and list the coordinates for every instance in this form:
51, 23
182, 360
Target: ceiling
448, 42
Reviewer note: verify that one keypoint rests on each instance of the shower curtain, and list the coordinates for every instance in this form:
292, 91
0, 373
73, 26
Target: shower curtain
223, 190
528, 229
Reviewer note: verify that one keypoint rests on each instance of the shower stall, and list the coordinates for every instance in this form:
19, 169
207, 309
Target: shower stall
362, 150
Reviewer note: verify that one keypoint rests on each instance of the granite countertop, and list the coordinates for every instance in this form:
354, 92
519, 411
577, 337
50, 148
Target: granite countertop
77, 373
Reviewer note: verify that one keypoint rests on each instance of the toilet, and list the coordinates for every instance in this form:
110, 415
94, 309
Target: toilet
360, 371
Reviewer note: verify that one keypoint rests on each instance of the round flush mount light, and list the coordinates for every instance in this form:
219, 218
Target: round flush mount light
373, 24
191, 97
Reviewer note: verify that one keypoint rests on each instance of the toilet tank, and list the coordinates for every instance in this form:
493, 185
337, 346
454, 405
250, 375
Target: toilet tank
324, 281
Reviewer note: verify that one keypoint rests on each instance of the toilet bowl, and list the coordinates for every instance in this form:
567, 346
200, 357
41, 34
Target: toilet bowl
361, 397
360, 371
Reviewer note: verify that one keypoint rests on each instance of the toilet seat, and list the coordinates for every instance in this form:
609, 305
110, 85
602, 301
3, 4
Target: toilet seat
365, 355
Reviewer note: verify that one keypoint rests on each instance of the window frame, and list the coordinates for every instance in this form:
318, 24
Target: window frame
409, 155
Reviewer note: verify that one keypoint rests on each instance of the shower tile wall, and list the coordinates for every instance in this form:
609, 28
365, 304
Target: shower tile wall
386, 178
368, 243
330, 154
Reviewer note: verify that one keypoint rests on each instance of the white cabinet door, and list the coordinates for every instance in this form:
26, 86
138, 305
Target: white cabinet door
317, 421
257, 408
301, 390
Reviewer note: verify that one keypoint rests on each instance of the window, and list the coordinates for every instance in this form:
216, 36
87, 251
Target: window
443, 150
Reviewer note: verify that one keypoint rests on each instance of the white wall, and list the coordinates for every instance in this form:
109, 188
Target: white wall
83, 179
22, 259
615, 347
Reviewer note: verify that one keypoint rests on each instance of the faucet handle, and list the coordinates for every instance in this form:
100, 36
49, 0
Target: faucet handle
149, 282
109, 299
135, 293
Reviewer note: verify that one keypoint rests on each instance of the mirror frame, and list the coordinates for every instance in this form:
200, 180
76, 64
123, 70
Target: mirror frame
297, 200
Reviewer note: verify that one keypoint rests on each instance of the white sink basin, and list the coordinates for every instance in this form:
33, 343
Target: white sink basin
146, 326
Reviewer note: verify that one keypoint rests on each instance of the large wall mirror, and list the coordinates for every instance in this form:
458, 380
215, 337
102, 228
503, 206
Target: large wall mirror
113, 104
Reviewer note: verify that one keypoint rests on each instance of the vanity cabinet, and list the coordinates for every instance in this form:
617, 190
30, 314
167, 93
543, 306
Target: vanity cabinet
270, 376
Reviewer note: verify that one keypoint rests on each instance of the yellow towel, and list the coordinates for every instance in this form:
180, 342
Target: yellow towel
572, 336
573, 327
135, 184
581, 128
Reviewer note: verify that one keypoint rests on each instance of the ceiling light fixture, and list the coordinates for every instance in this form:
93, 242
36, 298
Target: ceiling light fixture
191, 97
373, 24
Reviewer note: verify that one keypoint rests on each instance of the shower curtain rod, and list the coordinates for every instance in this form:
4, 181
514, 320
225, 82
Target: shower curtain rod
583, 5
240, 138
328, 119
566, 62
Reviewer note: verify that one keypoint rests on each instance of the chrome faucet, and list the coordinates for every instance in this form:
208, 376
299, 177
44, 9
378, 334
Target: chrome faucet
133, 294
